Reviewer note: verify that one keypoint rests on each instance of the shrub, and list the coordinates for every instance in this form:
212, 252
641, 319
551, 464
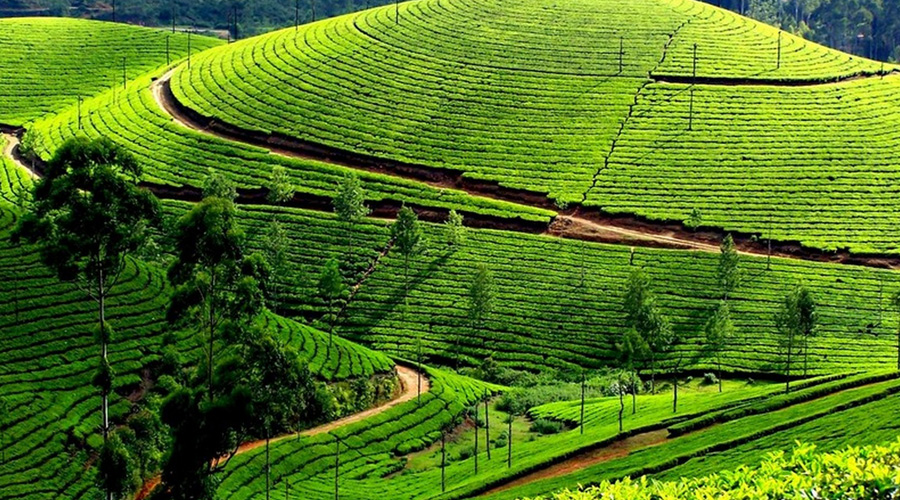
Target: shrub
709, 379
869, 472
546, 426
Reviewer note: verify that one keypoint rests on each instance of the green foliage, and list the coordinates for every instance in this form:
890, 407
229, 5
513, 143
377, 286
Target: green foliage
543, 426
52, 61
796, 321
694, 220
729, 260
216, 185
116, 468
349, 205
87, 213
482, 294
332, 290
855, 472
455, 232
649, 332
280, 189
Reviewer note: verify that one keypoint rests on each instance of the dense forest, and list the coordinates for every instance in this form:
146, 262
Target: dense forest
865, 27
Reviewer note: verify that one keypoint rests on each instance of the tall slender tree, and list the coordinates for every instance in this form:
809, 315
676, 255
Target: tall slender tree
408, 241
86, 217
719, 329
896, 301
332, 290
728, 271
796, 321
644, 317
349, 204
216, 284
480, 299
454, 231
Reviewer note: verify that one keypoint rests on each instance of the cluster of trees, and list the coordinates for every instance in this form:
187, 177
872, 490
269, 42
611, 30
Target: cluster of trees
650, 334
869, 28
87, 217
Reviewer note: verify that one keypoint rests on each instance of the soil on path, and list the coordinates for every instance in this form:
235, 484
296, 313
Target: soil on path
617, 449
12, 143
409, 380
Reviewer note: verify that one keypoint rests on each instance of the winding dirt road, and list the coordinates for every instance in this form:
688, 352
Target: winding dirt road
409, 380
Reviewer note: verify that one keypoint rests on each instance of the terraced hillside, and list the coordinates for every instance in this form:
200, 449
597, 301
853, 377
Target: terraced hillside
588, 103
559, 302
49, 62
48, 356
175, 155
857, 416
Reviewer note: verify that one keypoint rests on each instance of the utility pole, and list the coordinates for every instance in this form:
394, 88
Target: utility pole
476, 439
172, 8
168, 60
397, 11
312, 4
296, 15
691, 111
189, 50
695, 61
582, 402
487, 423
79, 112
124, 75
509, 442
779, 49
419, 367
621, 54
337, 466
443, 461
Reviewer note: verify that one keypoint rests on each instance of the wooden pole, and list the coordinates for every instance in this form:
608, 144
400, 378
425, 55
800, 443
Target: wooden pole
189, 50
79, 112
582, 402
509, 442
124, 76
476, 439
487, 423
691, 111
621, 54
779, 50
443, 461
337, 466
168, 60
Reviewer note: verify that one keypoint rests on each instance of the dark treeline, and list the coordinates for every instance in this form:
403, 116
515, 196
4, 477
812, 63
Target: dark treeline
253, 16
869, 28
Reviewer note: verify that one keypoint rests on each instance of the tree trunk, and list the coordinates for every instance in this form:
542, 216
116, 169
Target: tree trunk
675, 395
476, 439
633, 385
337, 468
487, 426
104, 392
787, 383
509, 443
268, 466
719, 367
443, 462
621, 406
212, 330
104, 396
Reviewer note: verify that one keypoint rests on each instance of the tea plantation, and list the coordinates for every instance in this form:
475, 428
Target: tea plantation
48, 63
370, 343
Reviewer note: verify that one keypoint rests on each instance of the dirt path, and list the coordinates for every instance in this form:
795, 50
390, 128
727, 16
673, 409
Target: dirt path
617, 449
409, 379
9, 151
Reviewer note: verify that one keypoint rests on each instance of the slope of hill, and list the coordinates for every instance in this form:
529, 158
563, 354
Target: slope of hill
559, 302
48, 356
587, 102
49, 62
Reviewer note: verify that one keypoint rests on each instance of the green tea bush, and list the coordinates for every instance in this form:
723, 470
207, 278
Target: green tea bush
871, 472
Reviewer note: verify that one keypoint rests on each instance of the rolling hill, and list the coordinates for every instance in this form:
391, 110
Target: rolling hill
593, 104
50, 62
